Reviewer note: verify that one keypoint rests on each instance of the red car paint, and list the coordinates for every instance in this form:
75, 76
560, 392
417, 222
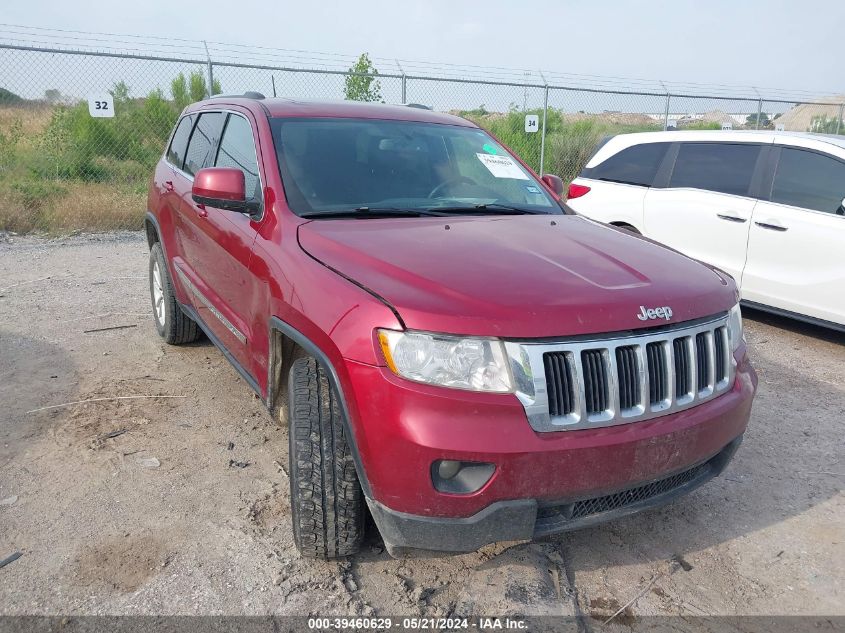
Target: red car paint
518, 277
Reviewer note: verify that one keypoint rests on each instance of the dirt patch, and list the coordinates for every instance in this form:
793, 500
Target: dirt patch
270, 512
604, 608
122, 562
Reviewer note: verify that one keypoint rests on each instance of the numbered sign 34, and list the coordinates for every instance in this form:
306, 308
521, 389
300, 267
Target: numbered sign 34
532, 122
101, 106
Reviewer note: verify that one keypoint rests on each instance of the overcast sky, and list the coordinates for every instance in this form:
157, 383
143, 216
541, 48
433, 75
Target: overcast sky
778, 43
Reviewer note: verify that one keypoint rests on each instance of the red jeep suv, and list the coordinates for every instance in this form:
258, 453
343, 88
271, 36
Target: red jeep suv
446, 342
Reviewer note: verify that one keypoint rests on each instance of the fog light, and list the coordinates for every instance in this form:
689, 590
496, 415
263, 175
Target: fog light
460, 478
448, 468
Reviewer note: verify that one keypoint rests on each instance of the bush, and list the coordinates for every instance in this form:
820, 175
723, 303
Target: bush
49, 175
824, 124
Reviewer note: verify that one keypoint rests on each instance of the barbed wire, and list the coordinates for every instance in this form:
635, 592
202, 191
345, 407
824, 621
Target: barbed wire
192, 50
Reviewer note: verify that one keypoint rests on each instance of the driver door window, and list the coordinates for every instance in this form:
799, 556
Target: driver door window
237, 149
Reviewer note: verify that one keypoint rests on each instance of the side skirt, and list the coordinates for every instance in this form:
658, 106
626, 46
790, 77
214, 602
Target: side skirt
831, 325
219, 345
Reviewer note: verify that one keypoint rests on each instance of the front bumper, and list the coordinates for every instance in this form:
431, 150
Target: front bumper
525, 519
401, 428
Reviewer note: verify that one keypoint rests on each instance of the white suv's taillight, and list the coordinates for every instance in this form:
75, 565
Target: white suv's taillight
576, 191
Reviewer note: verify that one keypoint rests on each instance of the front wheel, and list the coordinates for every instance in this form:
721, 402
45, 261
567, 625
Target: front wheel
327, 504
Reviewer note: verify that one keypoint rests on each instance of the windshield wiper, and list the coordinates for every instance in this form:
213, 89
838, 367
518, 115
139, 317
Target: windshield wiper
493, 208
370, 212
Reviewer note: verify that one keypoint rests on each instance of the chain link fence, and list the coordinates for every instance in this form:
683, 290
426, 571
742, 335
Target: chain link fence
62, 169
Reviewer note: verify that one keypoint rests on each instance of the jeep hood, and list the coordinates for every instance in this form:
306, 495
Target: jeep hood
516, 276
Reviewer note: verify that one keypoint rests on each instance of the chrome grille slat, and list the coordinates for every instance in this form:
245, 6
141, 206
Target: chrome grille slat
602, 382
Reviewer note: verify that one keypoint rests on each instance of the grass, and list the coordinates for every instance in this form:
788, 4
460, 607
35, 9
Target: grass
60, 207
62, 171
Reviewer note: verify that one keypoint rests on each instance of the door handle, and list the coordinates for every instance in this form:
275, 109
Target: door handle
168, 185
730, 218
771, 226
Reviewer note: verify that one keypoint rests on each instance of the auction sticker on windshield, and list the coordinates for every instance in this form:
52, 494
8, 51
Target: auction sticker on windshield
502, 166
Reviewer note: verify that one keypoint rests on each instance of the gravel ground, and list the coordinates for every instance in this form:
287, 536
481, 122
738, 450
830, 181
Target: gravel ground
184, 509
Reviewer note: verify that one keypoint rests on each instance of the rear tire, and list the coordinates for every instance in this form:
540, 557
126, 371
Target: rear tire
327, 504
173, 325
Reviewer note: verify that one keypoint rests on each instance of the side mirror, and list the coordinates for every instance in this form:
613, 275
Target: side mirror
554, 183
222, 188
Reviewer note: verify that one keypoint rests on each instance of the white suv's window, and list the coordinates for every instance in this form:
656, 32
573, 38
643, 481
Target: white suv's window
636, 165
720, 167
809, 180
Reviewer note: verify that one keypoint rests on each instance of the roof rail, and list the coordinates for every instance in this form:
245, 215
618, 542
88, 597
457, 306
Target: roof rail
249, 94
420, 106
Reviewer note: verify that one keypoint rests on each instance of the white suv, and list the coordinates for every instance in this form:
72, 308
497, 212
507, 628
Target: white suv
767, 207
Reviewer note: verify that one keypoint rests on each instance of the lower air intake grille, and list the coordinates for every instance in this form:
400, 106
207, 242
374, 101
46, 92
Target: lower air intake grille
616, 501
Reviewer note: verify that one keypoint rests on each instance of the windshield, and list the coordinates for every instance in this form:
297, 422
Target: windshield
332, 165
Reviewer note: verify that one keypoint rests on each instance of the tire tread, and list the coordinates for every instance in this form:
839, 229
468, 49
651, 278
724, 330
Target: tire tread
326, 497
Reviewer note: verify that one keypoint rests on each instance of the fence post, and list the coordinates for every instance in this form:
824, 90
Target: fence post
210, 71
666, 114
839, 120
404, 82
543, 131
759, 113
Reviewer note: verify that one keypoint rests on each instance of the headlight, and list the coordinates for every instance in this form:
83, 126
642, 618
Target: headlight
735, 327
461, 363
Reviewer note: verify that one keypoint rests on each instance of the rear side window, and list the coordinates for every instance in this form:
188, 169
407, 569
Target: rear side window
809, 180
720, 167
635, 165
176, 151
202, 140
237, 149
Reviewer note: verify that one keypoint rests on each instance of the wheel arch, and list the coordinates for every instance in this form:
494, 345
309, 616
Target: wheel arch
151, 230
627, 226
286, 345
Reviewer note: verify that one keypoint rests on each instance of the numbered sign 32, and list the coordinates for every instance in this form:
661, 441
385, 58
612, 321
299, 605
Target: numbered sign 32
532, 122
101, 106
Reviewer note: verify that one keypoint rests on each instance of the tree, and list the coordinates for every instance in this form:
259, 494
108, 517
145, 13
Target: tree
179, 91
52, 95
120, 92
361, 83
751, 120
194, 88
7, 97
823, 124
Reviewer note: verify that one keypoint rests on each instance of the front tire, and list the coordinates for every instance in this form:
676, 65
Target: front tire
173, 325
327, 503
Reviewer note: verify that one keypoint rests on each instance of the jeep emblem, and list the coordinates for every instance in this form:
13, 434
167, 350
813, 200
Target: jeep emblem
646, 314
